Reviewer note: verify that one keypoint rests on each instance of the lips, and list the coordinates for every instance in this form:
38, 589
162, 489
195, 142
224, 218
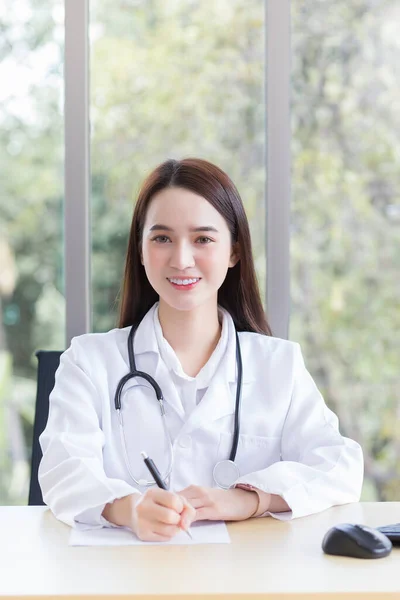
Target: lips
183, 281
187, 283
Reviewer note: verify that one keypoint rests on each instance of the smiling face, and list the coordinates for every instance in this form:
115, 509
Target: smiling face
186, 249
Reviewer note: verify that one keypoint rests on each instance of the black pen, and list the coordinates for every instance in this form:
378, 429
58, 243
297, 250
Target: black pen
155, 473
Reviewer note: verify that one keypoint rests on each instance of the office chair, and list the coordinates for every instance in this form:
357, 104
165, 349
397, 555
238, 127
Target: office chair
48, 362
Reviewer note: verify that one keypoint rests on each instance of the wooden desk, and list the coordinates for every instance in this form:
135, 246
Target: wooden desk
266, 559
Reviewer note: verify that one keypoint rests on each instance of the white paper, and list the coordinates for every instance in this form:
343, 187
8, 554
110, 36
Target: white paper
202, 532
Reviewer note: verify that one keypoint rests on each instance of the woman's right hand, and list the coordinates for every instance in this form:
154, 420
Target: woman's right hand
158, 515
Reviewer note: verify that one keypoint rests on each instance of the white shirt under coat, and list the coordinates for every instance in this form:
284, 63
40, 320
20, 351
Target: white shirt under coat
289, 443
192, 389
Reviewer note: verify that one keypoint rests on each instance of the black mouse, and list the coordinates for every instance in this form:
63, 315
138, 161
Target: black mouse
359, 541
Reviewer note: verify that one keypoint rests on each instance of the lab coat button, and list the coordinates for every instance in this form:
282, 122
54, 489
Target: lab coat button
185, 441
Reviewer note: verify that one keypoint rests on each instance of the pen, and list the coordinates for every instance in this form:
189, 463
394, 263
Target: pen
157, 478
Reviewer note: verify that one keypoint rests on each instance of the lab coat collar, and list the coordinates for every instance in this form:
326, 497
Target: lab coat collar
146, 341
220, 397
145, 338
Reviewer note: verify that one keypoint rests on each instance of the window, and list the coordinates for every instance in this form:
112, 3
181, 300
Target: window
31, 205
185, 78
345, 244
170, 80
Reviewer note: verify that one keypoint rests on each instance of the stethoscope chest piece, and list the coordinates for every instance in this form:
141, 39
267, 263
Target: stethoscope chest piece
225, 473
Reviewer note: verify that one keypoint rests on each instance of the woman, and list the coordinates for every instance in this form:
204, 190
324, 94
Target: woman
191, 299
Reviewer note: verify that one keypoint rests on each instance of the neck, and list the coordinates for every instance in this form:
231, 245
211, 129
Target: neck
192, 334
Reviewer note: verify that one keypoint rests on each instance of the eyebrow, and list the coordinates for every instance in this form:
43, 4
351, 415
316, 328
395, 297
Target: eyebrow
160, 227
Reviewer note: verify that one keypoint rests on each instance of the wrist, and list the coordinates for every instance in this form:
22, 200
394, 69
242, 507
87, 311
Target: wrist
121, 511
264, 498
267, 502
249, 502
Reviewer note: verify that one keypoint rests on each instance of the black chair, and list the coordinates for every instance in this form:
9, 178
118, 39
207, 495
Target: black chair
48, 362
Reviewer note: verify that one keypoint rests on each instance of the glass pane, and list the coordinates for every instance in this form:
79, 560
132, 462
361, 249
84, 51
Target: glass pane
170, 80
345, 248
31, 199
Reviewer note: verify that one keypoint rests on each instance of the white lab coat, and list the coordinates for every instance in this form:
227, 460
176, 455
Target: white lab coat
289, 441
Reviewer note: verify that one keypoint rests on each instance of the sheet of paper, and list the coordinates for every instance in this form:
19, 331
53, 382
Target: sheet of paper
203, 532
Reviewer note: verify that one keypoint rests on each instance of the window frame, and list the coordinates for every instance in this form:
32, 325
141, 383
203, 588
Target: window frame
77, 167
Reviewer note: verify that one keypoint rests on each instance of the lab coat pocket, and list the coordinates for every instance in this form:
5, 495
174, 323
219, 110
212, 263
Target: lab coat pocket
254, 452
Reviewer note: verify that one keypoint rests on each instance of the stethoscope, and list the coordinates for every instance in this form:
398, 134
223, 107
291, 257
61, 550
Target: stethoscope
225, 472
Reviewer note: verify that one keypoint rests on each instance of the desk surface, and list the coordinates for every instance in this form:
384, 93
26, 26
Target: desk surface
266, 559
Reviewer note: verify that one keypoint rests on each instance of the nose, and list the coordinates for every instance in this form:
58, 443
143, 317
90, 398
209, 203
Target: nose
182, 256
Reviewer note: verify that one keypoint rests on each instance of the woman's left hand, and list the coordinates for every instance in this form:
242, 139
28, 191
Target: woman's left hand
221, 505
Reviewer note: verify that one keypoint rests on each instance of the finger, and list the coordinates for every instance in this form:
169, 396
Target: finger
191, 501
151, 536
149, 510
187, 517
168, 531
195, 503
186, 490
193, 491
189, 512
167, 499
206, 513
165, 515
189, 509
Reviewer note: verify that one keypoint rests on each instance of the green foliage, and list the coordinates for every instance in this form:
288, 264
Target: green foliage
346, 237
164, 86
181, 78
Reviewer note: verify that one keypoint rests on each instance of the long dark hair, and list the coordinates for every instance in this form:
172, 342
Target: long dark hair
239, 293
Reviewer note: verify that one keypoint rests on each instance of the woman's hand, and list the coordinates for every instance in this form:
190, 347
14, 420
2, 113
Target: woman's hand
226, 505
158, 515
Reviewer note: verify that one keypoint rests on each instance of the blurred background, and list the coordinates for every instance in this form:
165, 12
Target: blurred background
187, 78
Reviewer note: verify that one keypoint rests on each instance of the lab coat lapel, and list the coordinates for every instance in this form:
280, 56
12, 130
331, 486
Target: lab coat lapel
217, 402
171, 396
220, 398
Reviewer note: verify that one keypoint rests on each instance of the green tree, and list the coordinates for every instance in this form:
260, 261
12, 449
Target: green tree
346, 237
179, 78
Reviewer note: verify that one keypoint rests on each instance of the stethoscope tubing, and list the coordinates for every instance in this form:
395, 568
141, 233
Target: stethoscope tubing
157, 389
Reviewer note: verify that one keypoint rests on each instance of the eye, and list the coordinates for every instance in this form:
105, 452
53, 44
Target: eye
161, 239
204, 240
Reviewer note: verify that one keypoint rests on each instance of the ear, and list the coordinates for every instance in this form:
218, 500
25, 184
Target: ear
235, 255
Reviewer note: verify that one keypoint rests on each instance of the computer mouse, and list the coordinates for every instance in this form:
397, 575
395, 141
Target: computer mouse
359, 541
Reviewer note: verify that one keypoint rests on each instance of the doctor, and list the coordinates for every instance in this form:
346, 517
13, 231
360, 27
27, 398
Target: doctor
229, 414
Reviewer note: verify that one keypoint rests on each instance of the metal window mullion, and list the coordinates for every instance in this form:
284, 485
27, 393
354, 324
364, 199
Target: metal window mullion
278, 54
76, 209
